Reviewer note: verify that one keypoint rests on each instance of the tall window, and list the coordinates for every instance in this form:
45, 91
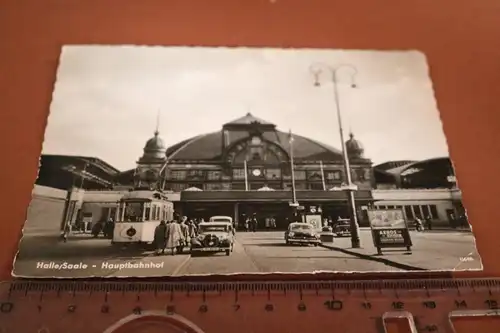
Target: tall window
153, 213
256, 150
238, 173
214, 175
177, 174
409, 213
434, 211
416, 210
425, 211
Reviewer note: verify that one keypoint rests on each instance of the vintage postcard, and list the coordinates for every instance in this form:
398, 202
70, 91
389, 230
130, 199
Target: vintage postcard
179, 161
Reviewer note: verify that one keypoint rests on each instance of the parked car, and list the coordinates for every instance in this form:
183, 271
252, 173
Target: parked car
342, 228
213, 237
227, 219
301, 233
217, 218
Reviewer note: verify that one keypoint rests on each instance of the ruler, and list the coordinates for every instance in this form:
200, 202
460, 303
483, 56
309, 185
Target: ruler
393, 306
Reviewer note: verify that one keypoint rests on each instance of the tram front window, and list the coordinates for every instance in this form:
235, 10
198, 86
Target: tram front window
133, 212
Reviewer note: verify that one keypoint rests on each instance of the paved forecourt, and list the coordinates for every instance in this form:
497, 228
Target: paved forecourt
259, 252
443, 250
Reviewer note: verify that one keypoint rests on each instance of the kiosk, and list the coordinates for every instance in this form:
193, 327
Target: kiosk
389, 229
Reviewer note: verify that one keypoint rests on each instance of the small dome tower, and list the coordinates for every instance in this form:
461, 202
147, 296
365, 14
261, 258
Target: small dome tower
354, 147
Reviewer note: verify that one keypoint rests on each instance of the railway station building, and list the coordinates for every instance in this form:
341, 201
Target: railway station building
244, 169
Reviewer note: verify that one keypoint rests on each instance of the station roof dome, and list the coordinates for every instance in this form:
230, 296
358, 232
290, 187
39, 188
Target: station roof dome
209, 146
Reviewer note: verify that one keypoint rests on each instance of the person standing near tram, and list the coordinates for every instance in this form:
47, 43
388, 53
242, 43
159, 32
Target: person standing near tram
160, 238
173, 236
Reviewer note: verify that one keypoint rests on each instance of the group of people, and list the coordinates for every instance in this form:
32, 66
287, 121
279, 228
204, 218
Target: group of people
174, 236
251, 223
106, 227
419, 223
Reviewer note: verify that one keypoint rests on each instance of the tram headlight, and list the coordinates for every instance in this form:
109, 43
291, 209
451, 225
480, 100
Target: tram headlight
291, 234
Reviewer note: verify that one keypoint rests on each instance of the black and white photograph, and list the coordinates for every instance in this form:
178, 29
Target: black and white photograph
196, 161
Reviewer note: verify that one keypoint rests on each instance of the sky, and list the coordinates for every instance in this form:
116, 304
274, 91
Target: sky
107, 99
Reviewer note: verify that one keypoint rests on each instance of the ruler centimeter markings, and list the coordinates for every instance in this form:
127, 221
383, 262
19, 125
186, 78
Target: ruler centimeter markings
395, 306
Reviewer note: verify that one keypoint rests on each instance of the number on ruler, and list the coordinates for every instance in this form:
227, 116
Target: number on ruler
492, 304
366, 305
430, 304
137, 310
461, 304
236, 307
398, 305
334, 305
105, 308
269, 307
71, 308
203, 308
302, 307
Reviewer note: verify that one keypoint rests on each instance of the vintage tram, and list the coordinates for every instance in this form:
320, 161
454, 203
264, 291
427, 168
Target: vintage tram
138, 214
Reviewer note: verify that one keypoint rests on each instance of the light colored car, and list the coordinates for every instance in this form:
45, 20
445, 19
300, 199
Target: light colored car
213, 237
301, 233
227, 219
222, 218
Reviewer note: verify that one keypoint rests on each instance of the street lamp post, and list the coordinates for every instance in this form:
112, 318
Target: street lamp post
350, 188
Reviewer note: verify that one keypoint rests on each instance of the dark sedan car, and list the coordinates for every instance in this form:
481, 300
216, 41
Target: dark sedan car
301, 233
342, 228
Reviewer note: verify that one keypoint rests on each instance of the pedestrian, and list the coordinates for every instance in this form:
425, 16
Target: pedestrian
428, 222
66, 231
246, 225
173, 236
184, 235
254, 223
419, 226
160, 238
97, 228
109, 228
192, 229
